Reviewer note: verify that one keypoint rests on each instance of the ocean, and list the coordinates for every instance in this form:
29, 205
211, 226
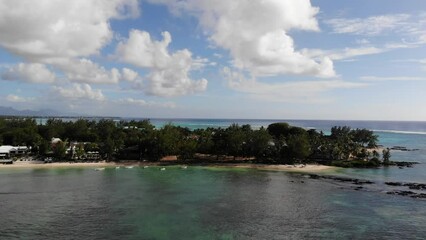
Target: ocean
219, 203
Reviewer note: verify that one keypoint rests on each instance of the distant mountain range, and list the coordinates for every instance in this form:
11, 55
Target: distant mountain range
9, 111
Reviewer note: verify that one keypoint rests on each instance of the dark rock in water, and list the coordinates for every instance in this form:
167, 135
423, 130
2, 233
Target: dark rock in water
360, 182
394, 183
404, 164
314, 176
418, 186
408, 194
398, 148
358, 188
342, 179
420, 195
352, 180
401, 193
404, 149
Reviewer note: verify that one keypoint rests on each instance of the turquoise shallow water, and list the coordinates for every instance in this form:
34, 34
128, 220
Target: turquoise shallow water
197, 203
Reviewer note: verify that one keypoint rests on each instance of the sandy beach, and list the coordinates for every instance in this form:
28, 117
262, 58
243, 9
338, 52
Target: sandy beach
282, 167
34, 164
288, 168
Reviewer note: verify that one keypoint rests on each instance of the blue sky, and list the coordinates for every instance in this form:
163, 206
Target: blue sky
280, 59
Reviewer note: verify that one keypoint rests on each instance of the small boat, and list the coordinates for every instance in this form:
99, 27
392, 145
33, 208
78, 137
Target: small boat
130, 167
117, 167
162, 169
184, 167
99, 169
145, 166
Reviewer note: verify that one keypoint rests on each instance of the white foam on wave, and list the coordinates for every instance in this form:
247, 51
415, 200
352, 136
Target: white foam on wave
400, 132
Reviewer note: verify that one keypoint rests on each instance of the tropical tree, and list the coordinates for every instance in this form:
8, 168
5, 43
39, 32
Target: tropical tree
59, 151
386, 156
259, 144
298, 148
165, 142
234, 140
219, 138
279, 130
204, 138
187, 148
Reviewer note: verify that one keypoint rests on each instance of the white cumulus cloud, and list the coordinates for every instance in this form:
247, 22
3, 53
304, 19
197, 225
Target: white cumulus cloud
343, 54
86, 71
59, 28
411, 28
29, 72
393, 78
143, 103
129, 75
79, 92
63, 34
17, 99
256, 33
368, 26
169, 72
309, 91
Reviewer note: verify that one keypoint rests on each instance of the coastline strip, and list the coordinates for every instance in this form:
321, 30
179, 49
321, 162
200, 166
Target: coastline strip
288, 168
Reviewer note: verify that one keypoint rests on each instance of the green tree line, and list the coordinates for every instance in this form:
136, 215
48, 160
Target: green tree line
138, 140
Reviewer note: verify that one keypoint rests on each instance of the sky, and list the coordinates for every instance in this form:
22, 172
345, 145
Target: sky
256, 59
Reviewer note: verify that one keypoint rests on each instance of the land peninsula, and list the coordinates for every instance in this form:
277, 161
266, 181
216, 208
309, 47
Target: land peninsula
124, 142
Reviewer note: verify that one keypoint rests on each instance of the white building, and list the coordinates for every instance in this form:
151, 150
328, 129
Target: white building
6, 151
5, 154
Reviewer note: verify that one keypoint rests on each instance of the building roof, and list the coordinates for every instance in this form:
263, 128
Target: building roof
56, 140
7, 149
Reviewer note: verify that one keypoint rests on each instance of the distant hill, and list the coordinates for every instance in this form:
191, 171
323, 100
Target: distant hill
9, 111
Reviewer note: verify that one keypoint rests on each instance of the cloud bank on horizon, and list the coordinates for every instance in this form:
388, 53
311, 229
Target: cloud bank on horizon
204, 58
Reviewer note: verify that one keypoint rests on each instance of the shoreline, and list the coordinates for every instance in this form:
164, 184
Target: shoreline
37, 165
304, 168
270, 167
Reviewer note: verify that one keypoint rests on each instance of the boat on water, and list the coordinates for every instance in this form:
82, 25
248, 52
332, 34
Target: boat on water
99, 169
162, 169
130, 167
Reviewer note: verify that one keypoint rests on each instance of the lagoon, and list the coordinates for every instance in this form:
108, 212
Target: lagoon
197, 203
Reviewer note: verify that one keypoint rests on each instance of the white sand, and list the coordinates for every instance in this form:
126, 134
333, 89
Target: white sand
288, 168
19, 164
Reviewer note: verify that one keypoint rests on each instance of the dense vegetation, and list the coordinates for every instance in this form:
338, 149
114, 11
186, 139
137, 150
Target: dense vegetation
140, 140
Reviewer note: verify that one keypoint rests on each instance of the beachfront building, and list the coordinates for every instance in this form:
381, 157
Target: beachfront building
7, 152
55, 141
86, 151
12, 151
4, 153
